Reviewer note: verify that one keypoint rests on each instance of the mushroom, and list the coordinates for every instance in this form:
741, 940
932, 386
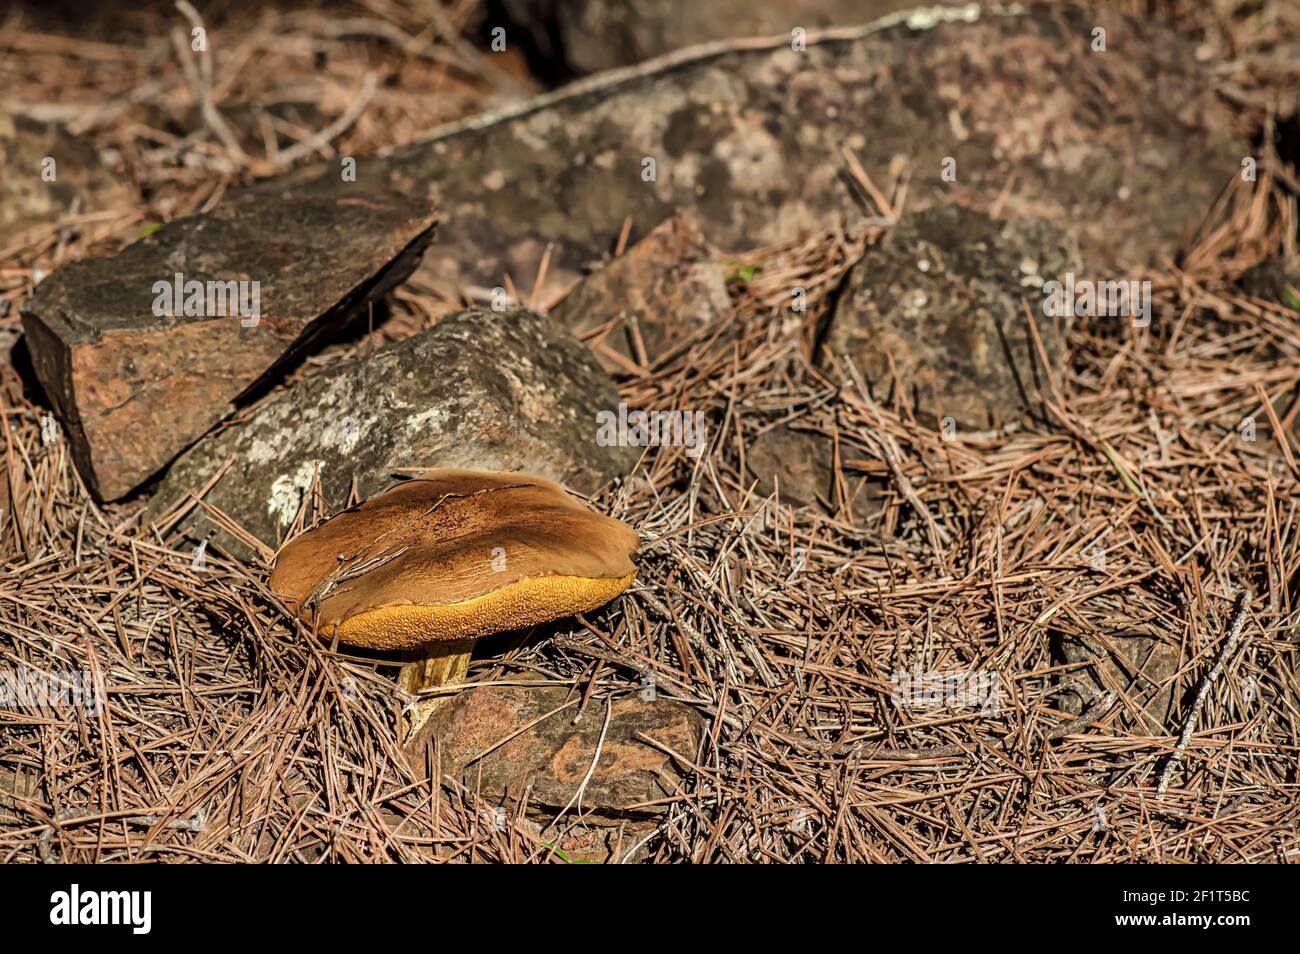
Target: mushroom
431, 564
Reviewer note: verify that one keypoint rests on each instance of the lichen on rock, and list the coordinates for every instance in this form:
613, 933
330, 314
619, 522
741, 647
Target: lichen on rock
480, 390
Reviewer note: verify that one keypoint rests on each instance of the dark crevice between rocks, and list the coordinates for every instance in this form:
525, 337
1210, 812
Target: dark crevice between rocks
322, 334
349, 320
20, 359
1066, 685
1033, 397
822, 332
1285, 140
538, 37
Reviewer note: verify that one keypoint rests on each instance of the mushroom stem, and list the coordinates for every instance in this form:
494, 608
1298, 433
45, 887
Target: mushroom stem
440, 663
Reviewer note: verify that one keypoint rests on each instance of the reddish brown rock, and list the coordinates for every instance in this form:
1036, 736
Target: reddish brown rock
1142, 669
134, 387
554, 755
666, 287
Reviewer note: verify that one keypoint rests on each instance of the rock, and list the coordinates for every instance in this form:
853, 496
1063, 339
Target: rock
554, 756
669, 285
1141, 667
480, 390
797, 466
588, 36
27, 198
137, 379
15, 788
751, 141
941, 294
592, 843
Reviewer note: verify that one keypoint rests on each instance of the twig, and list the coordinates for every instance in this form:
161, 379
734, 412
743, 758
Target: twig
591, 769
1235, 627
321, 139
200, 80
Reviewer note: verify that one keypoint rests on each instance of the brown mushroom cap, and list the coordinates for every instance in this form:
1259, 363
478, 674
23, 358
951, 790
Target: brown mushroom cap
420, 563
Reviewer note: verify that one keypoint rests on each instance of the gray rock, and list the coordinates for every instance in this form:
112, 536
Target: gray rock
752, 141
935, 308
494, 391
593, 35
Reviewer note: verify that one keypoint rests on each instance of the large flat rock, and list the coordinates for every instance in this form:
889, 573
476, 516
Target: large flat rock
137, 379
480, 390
1125, 147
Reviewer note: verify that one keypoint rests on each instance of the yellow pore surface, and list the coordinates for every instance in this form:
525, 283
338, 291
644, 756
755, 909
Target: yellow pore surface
402, 626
